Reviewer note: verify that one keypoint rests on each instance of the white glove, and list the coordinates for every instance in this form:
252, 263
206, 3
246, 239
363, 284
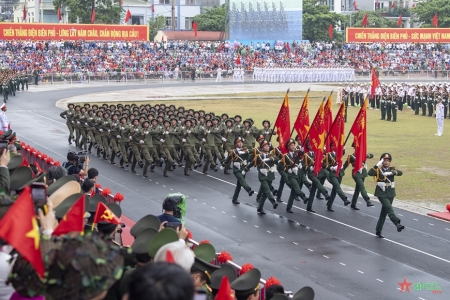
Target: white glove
380, 163
166, 132
247, 132
243, 139
202, 127
78, 122
208, 131
130, 137
162, 141
299, 165
109, 130
221, 168
388, 173
141, 142
73, 122
243, 172
183, 140
188, 131
301, 148
241, 152
311, 168
295, 170
203, 140
118, 136
224, 139
290, 171
263, 171
122, 128
90, 118
145, 132
101, 130
244, 162
86, 124
237, 165
334, 168
230, 130
267, 159
360, 170
136, 130
182, 127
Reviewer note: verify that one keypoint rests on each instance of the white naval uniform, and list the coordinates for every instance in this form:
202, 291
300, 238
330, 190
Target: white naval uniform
4, 121
440, 118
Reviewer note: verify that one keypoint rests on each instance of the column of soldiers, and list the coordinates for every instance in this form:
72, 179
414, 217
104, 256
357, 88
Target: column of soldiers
421, 99
160, 135
303, 74
12, 81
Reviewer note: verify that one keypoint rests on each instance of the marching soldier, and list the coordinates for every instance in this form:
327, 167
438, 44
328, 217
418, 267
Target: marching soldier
266, 131
90, 128
188, 143
384, 176
5, 90
135, 144
389, 100
335, 180
430, 101
239, 157
83, 117
230, 135
291, 166
210, 148
114, 137
423, 102
417, 100
68, 116
105, 129
395, 104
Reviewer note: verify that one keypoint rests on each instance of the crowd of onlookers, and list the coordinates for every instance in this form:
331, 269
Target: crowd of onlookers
118, 57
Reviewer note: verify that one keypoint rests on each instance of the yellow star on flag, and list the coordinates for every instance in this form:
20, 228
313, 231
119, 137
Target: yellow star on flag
34, 233
322, 140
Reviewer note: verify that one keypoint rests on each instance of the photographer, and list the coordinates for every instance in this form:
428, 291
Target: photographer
72, 165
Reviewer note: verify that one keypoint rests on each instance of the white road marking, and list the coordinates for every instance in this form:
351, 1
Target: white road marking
380, 280
204, 203
245, 221
311, 250
447, 229
400, 215
195, 199
360, 272
351, 294
156, 183
256, 226
431, 224
213, 207
295, 243
281, 237
164, 186
223, 212
268, 231
234, 217
325, 256
332, 285
217, 178
415, 219
422, 298
343, 264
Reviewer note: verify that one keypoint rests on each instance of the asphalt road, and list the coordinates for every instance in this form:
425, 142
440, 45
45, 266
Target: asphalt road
336, 253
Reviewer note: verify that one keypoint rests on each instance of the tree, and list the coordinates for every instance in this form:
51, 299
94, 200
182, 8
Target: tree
316, 21
155, 25
212, 19
425, 11
79, 11
374, 20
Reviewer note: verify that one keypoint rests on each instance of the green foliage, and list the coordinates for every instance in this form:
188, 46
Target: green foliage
212, 19
425, 11
106, 11
155, 25
316, 21
375, 20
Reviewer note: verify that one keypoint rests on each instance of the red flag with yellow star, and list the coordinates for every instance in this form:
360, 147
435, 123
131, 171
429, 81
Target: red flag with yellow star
317, 135
104, 214
328, 120
73, 220
301, 124
337, 136
20, 229
283, 124
225, 292
359, 131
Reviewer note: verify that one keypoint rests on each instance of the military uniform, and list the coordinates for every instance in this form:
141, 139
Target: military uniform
359, 178
265, 162
384, 176
335, 180
68, 116
188, 143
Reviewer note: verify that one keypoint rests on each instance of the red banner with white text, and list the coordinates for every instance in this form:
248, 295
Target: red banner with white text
398, 35
87, 32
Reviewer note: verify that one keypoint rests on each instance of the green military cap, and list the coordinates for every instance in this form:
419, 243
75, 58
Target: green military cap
11, 137
127, 106
6, 134
229, 120
237, 116
386, 155
115, 208
204, 254
119, 105
172, 107
224, 114
77, 106
88, 105
105, 105
41, 178
187, 120
305, 293
208, 115
166, 121
216, 118
265, 121
70, 104
171, 119
93, 202
67, 203
143, 240
165, 236
216, 278
247, 283
248, 121
20, 177
15, 162
145, 121
59, 183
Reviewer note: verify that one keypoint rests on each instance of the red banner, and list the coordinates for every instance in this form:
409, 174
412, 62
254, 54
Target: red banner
398, 35
87, 32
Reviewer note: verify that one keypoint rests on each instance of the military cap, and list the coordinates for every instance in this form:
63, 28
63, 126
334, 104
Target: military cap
127, 106
69, 188
201, 111
93, 202
262, 143
15, 162
216, 118
208, 121
204, 254
142, 241
260, 138
251, 121
67, 203
165, 236
123, 117
247, 283
229, 120
70, 104
148, 221
106, 113
159, 117
224, 114
6, 134
265, 121
77, 106
154, 120
216, 278
237, 116
237, 139
201, 117
87, 104
115, 208
104, 105
289, 141
59, 183
11, 137
20, 177
166, 121
187, 120
208, 116
41, 178
173, 118
146, 121
94, 105
386, 155
119, 105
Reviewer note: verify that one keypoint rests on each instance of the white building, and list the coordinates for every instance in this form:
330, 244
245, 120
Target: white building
141, 11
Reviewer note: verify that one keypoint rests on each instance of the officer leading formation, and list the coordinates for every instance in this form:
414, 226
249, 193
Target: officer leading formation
168, 137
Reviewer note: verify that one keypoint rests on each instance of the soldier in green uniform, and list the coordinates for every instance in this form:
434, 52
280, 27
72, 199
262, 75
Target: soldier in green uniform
83, 117
90, 128
247, 286
167, 146
12, 85
210, 147
384, 176
290, 163
148, 151
417, 98
114, 137
36, 76
266, 131
188, 143
68, 116
5, 90
248, 134
105, 129
389, 101
136, 144
124, 141
423, 102
239, 157
230, 135
359, 178
333, 178
97, 133
383, 105
396, 101
265, 163
25, 80
430, 102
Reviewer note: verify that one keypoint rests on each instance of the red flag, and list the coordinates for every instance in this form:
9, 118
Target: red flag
414, 5
365, 20
399, 22
153, 8
93, 15
328, 120
317, 135
24, 16
73, 220
337, 136
359, 131
20, 229
59, 13
355, 8
104, 214
375, 82
169, 257
194, 25
435, 20
301, 124
225, 292
283, 124
238, 60
377, 4
392, 5
128, 16
330, 31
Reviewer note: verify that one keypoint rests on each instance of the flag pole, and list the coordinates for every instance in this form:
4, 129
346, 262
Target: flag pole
273, 128
348, 135
307, 92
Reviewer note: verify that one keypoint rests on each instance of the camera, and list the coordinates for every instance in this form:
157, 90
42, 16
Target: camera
77, 158
122, 225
